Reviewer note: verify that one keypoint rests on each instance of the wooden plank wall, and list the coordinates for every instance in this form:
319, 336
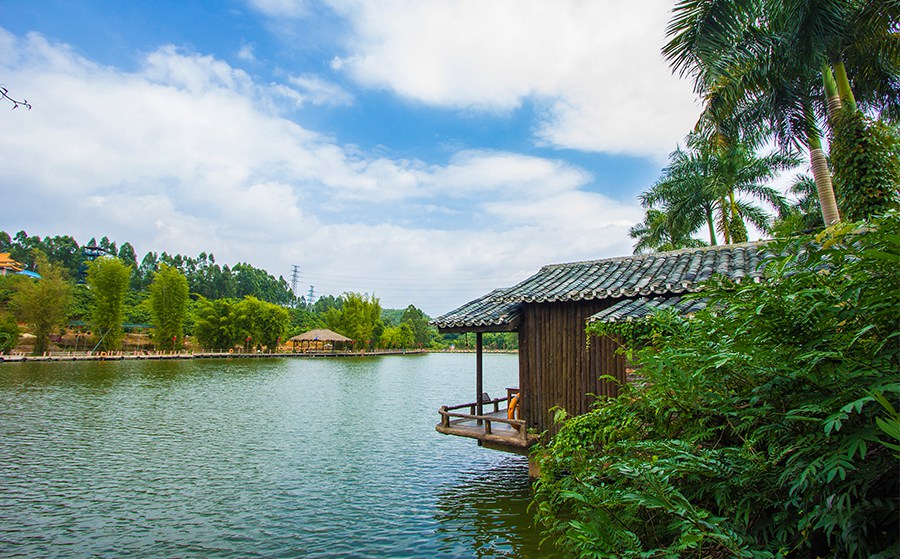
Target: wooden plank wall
556, 366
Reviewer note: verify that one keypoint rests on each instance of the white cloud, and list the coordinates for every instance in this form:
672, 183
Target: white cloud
189, 154
594, 66
246, 54
320, 91
292, 9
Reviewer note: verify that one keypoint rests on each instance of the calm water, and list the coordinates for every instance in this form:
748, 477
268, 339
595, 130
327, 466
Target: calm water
255, 458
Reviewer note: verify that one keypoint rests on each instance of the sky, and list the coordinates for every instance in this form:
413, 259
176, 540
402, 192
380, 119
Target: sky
424, 152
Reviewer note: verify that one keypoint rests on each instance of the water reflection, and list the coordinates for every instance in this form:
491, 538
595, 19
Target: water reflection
487, 512
257, 458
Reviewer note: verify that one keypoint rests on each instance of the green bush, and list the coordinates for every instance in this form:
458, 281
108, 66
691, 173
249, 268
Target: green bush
865, 154
9, 333
764, 426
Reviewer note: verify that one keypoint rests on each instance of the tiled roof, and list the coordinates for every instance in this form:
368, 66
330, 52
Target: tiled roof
646, 277
631, 309
659, 273
487, 313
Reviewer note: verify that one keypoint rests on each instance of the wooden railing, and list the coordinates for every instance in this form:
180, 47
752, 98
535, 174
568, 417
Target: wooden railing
448, 412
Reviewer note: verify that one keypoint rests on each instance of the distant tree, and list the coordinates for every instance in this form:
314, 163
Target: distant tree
9, 332
145, 271
501, 340
22, 248
64, 252
417, 321
396, 337
108, 279
217, 324
264, 323
326, 302
81, 305
42, 303
303, 320
127, 255
137, 307
168, 304
359, 318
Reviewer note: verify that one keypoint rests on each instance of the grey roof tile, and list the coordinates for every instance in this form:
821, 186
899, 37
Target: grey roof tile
487, 312
632, 309
646, 276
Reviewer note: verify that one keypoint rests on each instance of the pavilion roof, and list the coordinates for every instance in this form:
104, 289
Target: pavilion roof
321, 335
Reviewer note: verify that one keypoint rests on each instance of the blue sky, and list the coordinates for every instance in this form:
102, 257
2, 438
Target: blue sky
421, 151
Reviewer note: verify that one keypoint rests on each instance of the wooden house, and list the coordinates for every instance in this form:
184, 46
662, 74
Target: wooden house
550, 311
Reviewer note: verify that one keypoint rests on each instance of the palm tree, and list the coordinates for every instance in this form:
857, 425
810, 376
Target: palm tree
804, 214
715, 183
660, 232
772, 60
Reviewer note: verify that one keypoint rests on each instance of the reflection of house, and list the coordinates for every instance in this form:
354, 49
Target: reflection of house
320, 340
550, 310
8, 265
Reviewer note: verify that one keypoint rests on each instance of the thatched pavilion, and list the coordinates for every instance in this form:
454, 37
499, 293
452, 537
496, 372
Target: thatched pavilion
320, 340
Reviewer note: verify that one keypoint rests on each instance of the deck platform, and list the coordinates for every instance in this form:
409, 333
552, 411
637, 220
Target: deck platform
493, 429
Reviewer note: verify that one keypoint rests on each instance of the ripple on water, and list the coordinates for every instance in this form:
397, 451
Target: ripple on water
269, 458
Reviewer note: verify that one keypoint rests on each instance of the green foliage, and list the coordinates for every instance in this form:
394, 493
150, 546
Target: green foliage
217, 324
396, 337
804, 214
42, 303
866, 158
700, 188
762, 427
359, 318
225, 323
9, 333
137, 308
423, 333
168, 304
508, 341
263, 323
304, 319
81, 305
108, 279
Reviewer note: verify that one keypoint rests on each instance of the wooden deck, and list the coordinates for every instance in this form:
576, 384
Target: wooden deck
493, 429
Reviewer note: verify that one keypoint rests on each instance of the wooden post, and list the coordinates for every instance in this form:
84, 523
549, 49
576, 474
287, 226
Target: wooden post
479, 374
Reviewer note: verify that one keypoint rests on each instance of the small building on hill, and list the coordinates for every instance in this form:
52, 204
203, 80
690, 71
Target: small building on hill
8, 265
550, 311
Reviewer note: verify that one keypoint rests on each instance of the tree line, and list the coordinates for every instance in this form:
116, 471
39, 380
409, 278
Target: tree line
100, 287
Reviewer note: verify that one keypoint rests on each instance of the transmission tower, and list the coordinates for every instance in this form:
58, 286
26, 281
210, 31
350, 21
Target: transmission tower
311, 296
295, 279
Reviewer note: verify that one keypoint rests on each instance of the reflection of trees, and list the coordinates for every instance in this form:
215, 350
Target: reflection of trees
487, 513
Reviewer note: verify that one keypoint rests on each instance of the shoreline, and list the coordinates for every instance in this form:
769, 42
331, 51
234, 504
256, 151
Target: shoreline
141, 356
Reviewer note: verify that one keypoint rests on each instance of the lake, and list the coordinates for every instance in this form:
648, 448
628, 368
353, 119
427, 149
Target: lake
255, 458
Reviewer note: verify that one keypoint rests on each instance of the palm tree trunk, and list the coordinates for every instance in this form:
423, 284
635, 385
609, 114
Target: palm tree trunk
712, 228
831, 93
724, 221
822, 177
843, 85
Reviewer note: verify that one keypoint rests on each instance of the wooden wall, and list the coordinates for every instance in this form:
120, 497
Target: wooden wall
556, 366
